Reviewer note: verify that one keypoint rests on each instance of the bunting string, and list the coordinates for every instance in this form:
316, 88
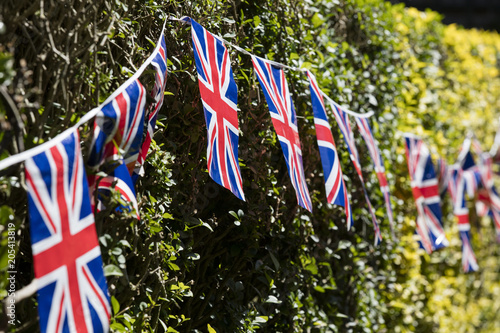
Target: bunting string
187, 20
20, 157
23, 156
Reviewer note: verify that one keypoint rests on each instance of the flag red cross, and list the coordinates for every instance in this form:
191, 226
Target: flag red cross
211, 95
381, 178
68, 250
324, 133
282, 123
425, 191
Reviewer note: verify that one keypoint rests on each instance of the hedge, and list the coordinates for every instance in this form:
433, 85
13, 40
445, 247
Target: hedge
200, 259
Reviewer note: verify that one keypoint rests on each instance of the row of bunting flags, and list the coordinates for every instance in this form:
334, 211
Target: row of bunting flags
465, 178
72, 290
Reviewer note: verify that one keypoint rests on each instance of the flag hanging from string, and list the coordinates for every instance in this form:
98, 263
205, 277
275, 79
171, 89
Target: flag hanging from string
117, 140
72, 291
273, 83
219, 95
425, 191
159, 62
336, 191
378, 162
464, 178
456, 188
345, 127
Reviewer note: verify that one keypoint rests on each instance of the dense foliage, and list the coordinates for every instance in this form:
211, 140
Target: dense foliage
202, 260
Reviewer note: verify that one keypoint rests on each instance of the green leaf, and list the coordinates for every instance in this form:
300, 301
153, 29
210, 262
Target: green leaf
317, 20
117, 327
112, 270
272, 299
319, 289
206, 225
210, 329
256, 21
275, 261
115, 305
261, 319
173, 266
230, 21
344, 244
193, 256
117, 251
162, 323
168, 216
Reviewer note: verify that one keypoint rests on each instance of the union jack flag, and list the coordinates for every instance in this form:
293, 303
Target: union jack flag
345, 127
72, 291
373, 150
219, 95
336, 191
456, 188
119, 124
159, 62
118, 129
424, 186
273, 83
119, 180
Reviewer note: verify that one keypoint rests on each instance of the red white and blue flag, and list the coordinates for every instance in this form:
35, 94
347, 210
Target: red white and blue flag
159, 62
117, 140
425, 190
457, 191
219, 95
378, 162
273, 83
345, 127
72, 291
336, 191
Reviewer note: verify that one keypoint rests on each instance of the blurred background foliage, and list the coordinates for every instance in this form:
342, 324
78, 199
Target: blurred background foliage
200, 260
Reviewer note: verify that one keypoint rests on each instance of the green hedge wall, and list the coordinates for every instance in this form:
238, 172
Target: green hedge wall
200, 259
